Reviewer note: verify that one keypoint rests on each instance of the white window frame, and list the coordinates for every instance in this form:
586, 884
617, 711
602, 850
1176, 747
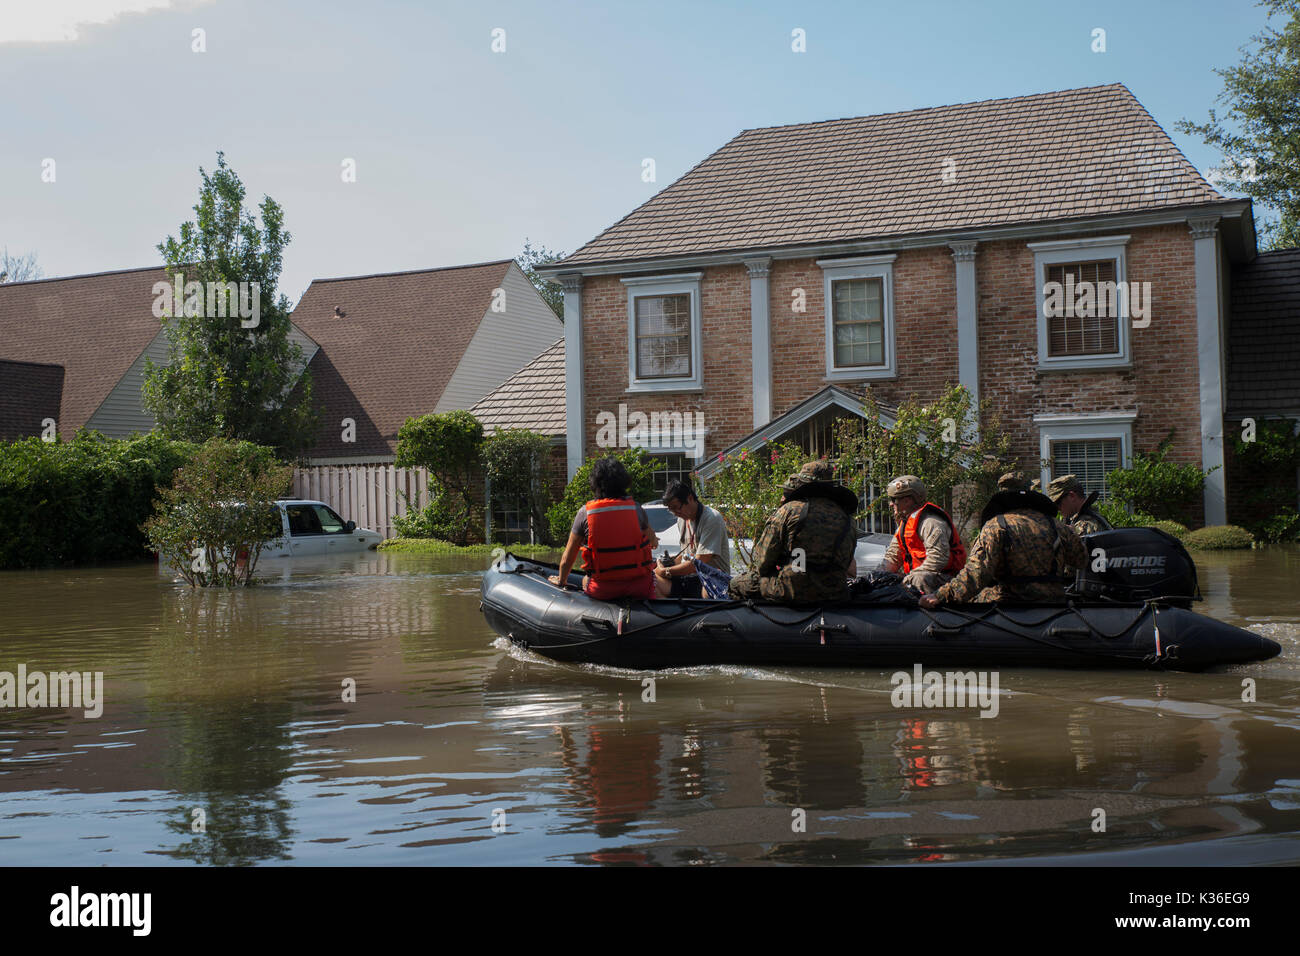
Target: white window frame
1102, 425
862, 267
683, 283
1081, 250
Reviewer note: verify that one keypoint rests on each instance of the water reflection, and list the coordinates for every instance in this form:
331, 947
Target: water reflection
234, 703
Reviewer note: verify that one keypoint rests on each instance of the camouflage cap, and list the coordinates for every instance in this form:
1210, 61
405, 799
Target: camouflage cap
905, 485
1012, 481
1060, 486
819, 470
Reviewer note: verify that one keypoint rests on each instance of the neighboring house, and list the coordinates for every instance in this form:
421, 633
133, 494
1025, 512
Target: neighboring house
97, 329
404, 344
908, 250
1263, 363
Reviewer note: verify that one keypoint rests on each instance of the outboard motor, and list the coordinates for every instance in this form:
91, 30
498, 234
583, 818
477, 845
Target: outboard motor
1140, 564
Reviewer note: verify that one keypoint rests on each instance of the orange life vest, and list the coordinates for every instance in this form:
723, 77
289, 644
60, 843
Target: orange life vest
912, 548
616, 549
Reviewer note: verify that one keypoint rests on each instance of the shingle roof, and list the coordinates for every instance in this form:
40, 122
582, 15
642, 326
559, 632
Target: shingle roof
95, 326
532, 398
392, 354
1049, 156
1263, 361
30, 394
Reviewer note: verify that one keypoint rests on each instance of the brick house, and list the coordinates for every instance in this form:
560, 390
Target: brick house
798, 265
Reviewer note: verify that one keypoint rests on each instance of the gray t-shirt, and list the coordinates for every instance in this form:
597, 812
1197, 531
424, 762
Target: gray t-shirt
707, 534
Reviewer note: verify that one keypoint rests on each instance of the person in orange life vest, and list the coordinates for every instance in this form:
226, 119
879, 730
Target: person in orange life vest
926, 549
614, 537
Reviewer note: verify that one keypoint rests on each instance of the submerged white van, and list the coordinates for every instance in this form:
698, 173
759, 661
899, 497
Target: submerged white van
313, 527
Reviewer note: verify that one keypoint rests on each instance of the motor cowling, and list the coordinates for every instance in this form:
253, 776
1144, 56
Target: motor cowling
1137, 564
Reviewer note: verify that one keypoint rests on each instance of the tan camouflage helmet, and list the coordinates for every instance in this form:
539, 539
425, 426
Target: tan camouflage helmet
1012, 481
819, 470
1060, 486
905, 485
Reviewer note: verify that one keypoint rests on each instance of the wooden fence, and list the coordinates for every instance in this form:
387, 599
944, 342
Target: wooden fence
366, 494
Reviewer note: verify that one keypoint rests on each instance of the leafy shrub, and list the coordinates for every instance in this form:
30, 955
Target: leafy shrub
514, 460
951, 444
448, 445
640, 468
1172, 528
1121, 517
1282, 526
1156, 487
211, 523
1219, 537
747, 489
81, 501
443, 517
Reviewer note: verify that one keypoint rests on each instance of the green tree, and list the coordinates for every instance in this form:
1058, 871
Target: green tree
211, 523
552, 292
959, 451
227, 377
515, 460
448, 445
640, 469
1259, 135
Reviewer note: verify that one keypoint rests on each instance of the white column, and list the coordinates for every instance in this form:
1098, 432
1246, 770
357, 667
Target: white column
573, 416
1209, 353
968, 363
760, 341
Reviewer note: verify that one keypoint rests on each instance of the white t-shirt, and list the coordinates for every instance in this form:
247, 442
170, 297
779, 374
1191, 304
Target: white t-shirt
707, 534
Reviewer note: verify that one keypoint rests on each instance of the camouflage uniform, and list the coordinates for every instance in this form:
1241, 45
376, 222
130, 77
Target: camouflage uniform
1088, 521
816, 518
1024, 548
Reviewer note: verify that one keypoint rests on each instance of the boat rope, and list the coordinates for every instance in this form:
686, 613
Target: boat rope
994, 610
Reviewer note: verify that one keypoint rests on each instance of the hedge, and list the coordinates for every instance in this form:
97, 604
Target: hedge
1219, 537
81, 501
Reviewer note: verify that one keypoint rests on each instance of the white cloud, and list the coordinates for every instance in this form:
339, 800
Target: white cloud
60, 21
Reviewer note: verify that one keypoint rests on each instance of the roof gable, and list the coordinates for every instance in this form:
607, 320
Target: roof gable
532, 398
394, 349
95, 326
1050, 156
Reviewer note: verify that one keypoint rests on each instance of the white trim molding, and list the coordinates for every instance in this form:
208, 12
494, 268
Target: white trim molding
860, 267
1075, 250
1075, 426
573, 417
968, 366
687, 283
1209, 354
760, 335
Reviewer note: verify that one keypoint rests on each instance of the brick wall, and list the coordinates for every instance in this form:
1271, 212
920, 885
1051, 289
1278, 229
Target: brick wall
1162, 386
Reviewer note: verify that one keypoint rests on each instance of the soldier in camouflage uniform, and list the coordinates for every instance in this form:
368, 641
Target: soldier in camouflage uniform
806, 548
1012, 481
1019, 555
1069, 496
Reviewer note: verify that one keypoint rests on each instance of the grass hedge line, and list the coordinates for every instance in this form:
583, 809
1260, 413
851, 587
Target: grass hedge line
81, 501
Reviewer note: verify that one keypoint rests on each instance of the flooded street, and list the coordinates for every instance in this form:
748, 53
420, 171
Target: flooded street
226, 737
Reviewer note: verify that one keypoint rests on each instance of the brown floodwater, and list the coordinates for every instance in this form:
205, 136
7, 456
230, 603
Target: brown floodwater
228, 736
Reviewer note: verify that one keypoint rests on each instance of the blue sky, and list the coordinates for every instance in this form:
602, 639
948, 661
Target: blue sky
461, 152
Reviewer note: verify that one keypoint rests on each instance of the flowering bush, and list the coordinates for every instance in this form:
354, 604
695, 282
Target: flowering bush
748, 489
